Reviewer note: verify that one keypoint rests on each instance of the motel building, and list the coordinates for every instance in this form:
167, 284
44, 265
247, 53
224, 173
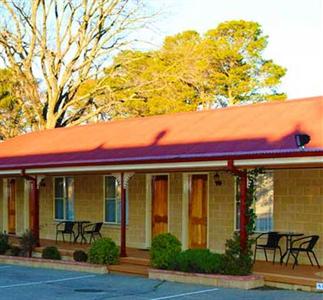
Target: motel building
183, 173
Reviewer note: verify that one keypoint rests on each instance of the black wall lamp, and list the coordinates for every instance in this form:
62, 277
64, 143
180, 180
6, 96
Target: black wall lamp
217, 180
301, 140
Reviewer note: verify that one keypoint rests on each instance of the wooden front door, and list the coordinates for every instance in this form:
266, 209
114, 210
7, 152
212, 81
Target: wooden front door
12, 206
198, 211
159, 204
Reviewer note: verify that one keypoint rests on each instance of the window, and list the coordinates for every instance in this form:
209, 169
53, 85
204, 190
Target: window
112, 201
264, 204
64, 198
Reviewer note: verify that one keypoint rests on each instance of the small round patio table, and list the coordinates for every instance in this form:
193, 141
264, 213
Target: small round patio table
80, 232
289, 238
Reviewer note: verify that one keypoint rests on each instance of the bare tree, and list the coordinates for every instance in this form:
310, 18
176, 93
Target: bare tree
55, 48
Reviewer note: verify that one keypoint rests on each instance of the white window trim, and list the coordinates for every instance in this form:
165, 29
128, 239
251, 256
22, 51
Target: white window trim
64, 199
114, 224
235, 206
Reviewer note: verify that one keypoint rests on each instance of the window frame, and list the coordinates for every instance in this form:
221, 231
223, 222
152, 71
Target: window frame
116, 223
64, 198
236, 224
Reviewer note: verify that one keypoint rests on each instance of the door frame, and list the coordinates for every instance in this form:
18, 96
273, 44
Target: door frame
149, 205
186, 207
16, 204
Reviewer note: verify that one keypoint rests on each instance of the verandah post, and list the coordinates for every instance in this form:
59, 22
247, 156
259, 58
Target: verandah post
243, 211
123, 252
35, 208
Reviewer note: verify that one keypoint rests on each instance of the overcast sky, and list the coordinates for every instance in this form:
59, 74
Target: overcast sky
295, 29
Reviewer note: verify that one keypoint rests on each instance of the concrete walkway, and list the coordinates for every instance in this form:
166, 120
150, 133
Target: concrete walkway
25, 283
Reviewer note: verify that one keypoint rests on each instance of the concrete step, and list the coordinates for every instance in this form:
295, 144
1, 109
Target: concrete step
129, 269
288, 281
135, 261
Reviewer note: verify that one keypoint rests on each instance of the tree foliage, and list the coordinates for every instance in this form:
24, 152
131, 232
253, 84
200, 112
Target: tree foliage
54, 48
66, 64
12, 121
225, 66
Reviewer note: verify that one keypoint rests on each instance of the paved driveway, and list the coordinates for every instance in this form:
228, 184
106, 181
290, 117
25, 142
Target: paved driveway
37, 284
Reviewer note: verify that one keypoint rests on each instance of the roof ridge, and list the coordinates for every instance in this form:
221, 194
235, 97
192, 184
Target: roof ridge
233, 107
207, 111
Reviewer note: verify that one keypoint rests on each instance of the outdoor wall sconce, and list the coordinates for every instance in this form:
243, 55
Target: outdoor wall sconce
217, 179
302, 140
42, 183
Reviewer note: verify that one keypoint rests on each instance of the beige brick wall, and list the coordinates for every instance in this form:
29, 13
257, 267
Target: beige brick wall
220, 202
20, 208
221, 211
298, 206
298, 203
175, 204
46, 210
137, 204
88, 205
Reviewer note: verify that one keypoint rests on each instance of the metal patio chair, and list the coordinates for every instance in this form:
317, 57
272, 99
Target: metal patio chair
93, 230
306, 245
65, 227
272, 243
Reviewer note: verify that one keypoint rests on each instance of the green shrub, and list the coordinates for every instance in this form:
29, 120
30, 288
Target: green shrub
4, 242
104, 251
80, 255
14, 251
234, 262
27, 243
164, 250
199, 261
51, 253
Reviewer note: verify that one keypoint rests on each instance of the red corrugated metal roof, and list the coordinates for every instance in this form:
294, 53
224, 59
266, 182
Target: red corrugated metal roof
266, 128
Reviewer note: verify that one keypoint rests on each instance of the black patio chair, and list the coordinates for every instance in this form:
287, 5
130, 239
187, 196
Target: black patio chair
306, 245
65, 227
93, 230
272, 243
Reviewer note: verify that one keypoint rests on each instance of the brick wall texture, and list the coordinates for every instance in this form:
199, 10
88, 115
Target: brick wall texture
298, 206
